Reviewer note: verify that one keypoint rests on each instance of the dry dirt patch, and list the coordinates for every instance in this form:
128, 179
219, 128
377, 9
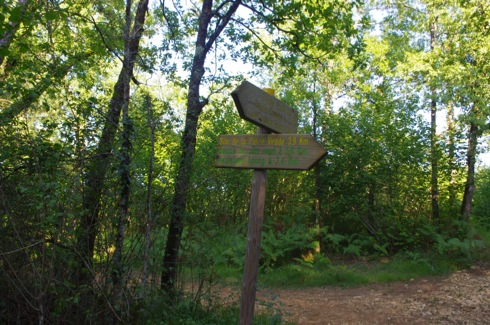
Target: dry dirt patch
461, 298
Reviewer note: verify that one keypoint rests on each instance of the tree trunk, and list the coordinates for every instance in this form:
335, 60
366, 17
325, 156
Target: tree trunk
11, 28
124, 172
433, 137
470, 179
97, 168
204, 43
149, 218
317, 173
188, 145
125, 181
451, 131
321, 188
56, 72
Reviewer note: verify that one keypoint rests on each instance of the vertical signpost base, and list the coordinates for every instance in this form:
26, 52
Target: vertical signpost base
254, 235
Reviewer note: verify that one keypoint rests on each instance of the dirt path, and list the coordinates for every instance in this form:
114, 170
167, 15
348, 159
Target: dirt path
461, 298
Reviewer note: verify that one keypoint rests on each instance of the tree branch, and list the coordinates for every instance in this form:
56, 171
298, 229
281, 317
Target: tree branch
221, 24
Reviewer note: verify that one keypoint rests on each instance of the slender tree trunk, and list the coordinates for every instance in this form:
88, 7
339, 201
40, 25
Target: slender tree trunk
318, 196
317, 171
149, 217
55, 74
11, 28
451, 131
124, 172
97, 168
188, 145
204, 43
433, 137
471, 162
321, 188
125, 181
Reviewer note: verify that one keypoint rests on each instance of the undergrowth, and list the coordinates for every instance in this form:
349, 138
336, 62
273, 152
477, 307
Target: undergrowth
358, 272
159, 310
446, 255
352, 261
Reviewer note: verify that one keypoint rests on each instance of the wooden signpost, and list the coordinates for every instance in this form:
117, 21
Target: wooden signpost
263, 151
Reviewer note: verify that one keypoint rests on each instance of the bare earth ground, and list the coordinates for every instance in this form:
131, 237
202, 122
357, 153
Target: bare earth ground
461, 298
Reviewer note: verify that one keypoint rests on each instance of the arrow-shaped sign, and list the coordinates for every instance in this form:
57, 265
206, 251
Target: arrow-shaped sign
268, 151
259, 107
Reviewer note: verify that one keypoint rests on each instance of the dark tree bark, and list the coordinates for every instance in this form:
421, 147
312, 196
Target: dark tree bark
125, 174
318, 171
12, 27
125, 186
471, 162
325, 219
451, 131
149, 216
318, 192
56, 73
433, 138
97, 168
204, 43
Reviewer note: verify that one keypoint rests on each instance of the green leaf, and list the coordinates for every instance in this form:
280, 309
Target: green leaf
52, 15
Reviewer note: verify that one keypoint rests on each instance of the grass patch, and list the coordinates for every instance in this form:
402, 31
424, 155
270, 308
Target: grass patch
356, 273
229, 275
297, 276
402, 268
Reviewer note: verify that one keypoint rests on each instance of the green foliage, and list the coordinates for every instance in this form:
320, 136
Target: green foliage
482, 231
409, 235
57, 77
232, 251
481, 210
455, 239
226, 248
407, 266
457, 246
356, 244
280, 247
402, 267
307, 276
458, 241
316, 261
158, 310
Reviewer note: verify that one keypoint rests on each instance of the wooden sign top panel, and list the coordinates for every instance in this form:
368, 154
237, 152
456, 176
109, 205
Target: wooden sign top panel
261, 108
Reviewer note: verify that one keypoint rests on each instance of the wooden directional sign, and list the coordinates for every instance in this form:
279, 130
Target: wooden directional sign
268, 151
263, 151
259, 107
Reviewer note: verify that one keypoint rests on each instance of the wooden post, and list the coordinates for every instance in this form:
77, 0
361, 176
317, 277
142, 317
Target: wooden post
254, 235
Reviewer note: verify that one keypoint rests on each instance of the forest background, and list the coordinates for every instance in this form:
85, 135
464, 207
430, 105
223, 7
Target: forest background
109, 118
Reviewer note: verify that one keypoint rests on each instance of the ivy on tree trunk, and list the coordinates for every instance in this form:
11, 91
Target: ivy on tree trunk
433, 137
470, 178
204, 43
98, 166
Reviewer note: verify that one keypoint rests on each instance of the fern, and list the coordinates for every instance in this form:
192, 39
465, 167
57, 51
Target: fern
457, 246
